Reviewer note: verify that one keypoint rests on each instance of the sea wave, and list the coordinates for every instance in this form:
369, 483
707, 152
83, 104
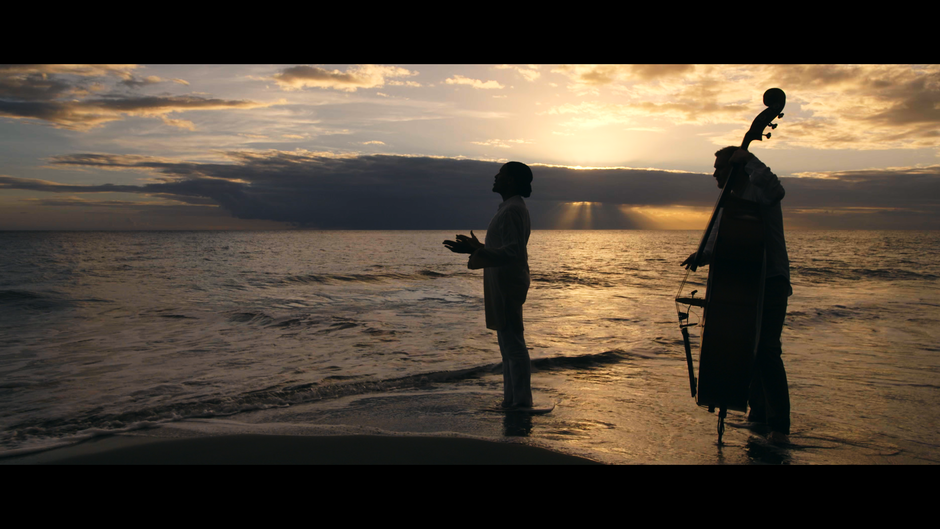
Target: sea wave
827, 275
41, 299
365, 278
569, 279
46, 430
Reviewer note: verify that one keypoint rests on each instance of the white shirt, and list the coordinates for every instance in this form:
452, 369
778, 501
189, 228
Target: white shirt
505, 263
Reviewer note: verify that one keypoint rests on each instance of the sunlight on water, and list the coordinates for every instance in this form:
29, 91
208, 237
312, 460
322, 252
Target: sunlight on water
666, 218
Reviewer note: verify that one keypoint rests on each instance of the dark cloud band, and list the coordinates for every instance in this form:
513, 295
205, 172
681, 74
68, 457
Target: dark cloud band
406, 192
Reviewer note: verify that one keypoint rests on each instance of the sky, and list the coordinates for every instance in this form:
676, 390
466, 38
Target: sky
416, 146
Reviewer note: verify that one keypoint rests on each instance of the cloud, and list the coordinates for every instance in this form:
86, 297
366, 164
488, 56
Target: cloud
33, 87
500, 143
897, 187
867, 107
590, 114
354, 78
30, 184
135, 82
529, 73
124, 71
674, 94
413, 84
366, 192
328, 191
62, 95
871, 106
475, 83
50, 81
90, 113
585, 75
73, 201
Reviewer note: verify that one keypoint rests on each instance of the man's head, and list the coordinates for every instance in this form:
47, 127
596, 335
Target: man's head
514, 178
723, 165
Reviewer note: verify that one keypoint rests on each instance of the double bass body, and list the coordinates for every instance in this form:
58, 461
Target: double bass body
732, 315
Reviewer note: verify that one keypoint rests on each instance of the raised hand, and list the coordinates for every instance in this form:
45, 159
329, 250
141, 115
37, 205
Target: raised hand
464, 244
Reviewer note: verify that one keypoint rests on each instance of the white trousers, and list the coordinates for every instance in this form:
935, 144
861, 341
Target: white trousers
517, 372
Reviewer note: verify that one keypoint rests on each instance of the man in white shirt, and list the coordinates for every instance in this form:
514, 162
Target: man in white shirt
505, 265
769, 398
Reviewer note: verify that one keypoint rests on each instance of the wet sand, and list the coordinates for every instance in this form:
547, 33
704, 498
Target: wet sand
257, 449
448, 424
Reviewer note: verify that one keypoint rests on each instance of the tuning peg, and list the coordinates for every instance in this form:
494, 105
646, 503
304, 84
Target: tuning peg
780, 115
768, 135
773, 125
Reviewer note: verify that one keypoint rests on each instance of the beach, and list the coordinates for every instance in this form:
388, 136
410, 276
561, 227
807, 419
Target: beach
429, 427
298, 450
440, 424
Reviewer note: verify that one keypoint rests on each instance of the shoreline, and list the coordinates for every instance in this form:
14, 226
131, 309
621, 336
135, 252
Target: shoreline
264, 449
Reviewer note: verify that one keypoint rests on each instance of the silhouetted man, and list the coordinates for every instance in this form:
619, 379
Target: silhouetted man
505, 265
769, 397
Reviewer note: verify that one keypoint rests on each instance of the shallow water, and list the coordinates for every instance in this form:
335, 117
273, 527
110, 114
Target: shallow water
113, 331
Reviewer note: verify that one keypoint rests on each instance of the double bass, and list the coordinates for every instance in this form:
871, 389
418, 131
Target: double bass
731, 307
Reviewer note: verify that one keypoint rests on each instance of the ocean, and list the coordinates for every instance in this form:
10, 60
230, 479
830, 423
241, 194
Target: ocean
382, 332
